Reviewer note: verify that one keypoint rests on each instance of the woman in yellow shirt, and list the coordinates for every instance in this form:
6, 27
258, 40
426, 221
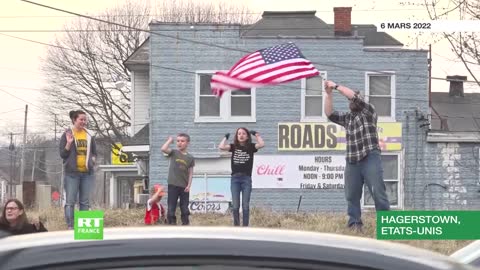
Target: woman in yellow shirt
78, 151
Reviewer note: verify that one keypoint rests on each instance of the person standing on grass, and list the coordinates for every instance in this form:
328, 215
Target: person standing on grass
155, 211
243, 151
364, 163
14, 219
180, 176
79, 152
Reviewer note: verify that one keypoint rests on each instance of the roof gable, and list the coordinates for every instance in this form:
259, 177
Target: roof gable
459, 113
141, 137
140, 56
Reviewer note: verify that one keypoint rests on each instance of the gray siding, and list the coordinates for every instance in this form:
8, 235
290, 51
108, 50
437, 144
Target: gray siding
440, 175
141, 100
456, 166
173, 109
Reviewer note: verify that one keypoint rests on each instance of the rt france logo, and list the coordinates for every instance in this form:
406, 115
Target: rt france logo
88, 225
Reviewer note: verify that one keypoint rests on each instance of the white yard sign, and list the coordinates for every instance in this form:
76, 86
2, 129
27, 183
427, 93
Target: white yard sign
299, 171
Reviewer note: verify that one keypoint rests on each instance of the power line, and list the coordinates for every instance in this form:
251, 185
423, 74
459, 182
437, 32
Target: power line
204, 43
57, 46
194, 73
162, 30
38, 107
314, 89
12, 111
208, 44
25, 88
195, 13
19, 70
245, 28
34, 41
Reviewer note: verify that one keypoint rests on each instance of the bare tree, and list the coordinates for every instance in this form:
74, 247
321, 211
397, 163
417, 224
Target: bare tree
86, 64
464, 44
175, 11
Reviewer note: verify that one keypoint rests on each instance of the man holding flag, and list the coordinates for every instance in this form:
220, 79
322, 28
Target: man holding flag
364, 161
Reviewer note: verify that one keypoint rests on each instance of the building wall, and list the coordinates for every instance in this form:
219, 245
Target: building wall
442, 175
456, 166
173, 110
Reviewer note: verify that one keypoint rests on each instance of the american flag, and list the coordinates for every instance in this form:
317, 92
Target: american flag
269, 66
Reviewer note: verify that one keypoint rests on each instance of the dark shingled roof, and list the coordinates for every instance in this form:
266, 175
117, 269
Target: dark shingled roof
141, 137
374, 38
300, 23
460, 113
306, 24
140, 56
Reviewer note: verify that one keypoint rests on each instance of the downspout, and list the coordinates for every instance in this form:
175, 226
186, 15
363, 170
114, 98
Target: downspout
430, 75
443, 122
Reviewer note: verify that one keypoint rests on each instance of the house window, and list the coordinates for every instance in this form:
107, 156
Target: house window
234, 106
380, 92
209, 105
210, 193
391, 176
312, 98
241, 103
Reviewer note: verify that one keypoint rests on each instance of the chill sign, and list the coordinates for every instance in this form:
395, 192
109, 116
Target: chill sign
299, 171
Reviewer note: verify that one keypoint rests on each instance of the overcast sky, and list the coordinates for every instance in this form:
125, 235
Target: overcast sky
21, 77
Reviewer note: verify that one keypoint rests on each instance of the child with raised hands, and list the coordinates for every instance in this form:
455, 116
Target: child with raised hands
243, 150
155, 212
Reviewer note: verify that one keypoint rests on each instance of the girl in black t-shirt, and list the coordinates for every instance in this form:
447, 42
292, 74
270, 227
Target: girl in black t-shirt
242, 164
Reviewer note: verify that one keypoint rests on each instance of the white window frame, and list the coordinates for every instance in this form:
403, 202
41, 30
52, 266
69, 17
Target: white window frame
207, 177
390, 118
225, 105
399, 180
303, 117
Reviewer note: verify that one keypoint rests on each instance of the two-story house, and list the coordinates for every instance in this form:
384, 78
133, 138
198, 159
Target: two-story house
301, 166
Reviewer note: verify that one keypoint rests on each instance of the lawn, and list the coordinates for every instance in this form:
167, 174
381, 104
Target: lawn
317, 222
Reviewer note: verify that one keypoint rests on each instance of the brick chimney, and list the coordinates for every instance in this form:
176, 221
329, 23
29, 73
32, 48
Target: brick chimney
343, 21
456, 85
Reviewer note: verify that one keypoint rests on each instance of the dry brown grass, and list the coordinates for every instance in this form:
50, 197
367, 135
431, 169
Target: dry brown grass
318, 222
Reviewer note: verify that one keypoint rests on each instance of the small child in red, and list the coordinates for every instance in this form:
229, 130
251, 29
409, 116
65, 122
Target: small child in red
155, 212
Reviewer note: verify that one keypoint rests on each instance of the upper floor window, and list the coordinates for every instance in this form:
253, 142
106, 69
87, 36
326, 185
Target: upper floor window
380, 92
312, 98
234, 106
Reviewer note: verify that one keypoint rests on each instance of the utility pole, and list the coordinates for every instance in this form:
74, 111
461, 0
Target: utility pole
33, 166
55, 126
11, 148
430, 75
22, 161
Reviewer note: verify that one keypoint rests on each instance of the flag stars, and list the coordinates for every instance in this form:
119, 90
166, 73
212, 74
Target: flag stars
280, 53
